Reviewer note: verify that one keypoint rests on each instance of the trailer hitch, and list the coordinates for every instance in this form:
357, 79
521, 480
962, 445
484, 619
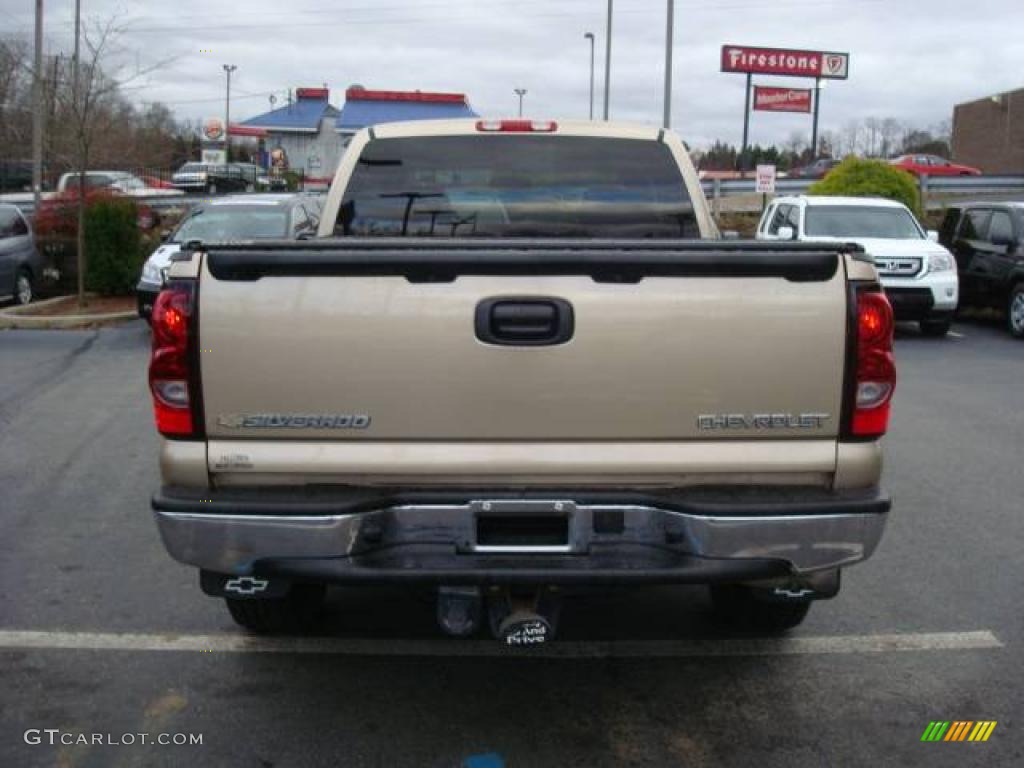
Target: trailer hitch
516, 617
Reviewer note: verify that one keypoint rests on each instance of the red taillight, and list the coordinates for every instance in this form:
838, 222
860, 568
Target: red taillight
171, 378
876, 368
517, 126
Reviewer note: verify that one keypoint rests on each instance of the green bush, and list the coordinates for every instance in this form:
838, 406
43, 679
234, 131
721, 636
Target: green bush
294, 179
113, 247
870, 178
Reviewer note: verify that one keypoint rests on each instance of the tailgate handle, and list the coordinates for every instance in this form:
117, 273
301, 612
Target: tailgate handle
525, 322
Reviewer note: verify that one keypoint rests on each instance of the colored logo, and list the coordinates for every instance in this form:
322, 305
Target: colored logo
958, 730
213, 128
835, 64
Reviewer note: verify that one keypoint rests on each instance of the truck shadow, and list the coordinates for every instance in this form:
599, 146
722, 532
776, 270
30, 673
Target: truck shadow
518, 708
600, 615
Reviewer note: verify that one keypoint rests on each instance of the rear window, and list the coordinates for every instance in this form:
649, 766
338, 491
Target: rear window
11, 223
861, 221
234, 223
516, 186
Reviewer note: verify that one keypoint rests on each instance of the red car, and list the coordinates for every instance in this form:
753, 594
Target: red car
58, 212
157, 183
932, 165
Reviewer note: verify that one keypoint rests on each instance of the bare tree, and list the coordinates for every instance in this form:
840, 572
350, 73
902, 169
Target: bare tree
829, 144
851, 136
890, 137
795, 143
94, 106
15, 110
872, 136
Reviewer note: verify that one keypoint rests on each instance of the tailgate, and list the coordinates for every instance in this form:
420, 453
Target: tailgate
668, 342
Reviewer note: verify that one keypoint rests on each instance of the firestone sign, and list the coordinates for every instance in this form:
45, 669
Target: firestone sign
769, 99
786, 62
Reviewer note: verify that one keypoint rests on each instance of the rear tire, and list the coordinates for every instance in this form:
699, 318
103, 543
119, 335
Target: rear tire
739, 606
935, 329
24, 290
298, 610
1015, 312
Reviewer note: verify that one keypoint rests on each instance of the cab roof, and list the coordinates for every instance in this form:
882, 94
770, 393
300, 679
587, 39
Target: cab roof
823, 200
267, 198
468, 127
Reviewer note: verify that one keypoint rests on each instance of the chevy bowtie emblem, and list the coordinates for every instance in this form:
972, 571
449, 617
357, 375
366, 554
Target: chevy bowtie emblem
246, 585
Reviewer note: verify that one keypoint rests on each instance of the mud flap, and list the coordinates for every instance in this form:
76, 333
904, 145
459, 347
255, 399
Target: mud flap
242, 587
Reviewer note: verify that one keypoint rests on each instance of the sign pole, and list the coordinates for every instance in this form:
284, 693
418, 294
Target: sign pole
608, 61
667, 119
814, 130
746, 127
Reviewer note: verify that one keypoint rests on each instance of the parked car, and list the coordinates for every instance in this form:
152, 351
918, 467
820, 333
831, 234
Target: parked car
21, 265
815, 170
918, 275
235, 217
119, 182
15, 176
267, 182
932, 165
155, 182
213, 179
987, 241
501, 369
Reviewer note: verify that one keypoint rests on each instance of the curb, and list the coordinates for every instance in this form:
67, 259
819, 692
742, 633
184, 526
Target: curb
18, 310
13, 322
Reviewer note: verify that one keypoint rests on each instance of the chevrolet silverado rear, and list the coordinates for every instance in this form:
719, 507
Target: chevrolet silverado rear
516, 360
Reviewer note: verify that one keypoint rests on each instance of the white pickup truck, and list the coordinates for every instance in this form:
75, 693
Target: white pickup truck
516, 360
919, 275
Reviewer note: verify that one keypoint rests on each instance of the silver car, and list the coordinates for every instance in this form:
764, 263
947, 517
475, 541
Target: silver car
21, 265
249, 217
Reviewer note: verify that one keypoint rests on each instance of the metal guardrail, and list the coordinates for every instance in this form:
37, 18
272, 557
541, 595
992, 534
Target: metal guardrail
944, 184
740, 195
946, 187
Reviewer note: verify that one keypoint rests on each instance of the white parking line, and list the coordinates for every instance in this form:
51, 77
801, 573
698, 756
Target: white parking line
228, 643
957, 335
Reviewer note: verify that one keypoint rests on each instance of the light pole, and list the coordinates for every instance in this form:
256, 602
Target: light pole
608, 60
668, 65
520, 92
74, 69
228, 69
590, 36
37, 113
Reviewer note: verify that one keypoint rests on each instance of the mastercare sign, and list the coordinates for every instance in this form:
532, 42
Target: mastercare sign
784, 61
770, 99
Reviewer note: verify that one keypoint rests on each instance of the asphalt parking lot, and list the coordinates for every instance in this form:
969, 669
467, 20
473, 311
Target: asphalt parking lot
100, 632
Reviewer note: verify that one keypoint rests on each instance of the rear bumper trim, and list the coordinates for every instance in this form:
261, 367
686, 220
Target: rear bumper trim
435, 542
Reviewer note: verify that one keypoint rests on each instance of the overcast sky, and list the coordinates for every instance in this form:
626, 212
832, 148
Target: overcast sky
910, 59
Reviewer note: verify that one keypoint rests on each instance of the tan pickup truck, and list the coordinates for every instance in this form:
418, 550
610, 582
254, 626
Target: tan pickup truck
518, 360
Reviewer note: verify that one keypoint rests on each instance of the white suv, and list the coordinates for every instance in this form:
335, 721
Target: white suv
918, 274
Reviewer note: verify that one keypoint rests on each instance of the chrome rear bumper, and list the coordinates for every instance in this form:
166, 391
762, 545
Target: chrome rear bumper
605, 542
